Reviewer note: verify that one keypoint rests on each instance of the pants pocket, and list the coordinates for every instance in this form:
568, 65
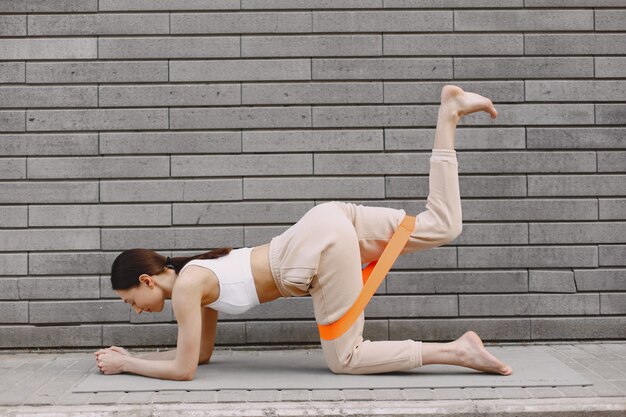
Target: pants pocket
298, 277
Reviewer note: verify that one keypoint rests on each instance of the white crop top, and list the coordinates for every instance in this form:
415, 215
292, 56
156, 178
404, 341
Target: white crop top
234, 274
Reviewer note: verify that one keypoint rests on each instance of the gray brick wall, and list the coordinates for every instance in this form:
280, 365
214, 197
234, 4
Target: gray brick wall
186, 126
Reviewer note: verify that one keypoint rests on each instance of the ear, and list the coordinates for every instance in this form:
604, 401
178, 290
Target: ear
146, 279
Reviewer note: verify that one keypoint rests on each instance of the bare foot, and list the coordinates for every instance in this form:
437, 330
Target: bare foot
459, 103
472, 354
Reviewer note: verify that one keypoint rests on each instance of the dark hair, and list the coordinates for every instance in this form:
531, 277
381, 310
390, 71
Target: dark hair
131, 264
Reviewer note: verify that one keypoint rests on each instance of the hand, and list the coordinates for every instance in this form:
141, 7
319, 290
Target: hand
111, 361
113, 348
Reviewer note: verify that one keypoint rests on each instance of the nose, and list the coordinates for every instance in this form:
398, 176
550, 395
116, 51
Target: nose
137, 310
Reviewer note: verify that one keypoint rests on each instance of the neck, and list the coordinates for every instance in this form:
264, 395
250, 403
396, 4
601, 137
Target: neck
166, 281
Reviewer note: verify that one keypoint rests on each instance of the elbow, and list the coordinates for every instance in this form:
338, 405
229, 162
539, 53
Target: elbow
187, 375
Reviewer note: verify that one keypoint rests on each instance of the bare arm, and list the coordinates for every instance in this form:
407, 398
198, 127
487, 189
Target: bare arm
209, 328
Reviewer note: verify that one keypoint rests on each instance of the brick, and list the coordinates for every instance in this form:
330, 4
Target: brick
12, 72
575, 137
68, 96
407, 92
575, 44
241, 22
99, 167
610, 66
63, 263
98, 24
169, 95
600, 280
453, 44
240, 117
69, 311
374, 116
528, 257
96, 72
523, 67
529, 209
13, 263
612, 255
314, 187
48, 192
16, 6
602, 232
612, 209
393, 306
168, 47
12, 121
312, 93
579, 328
610, 20
523, 20
13, 25
171, 238
576, 185
8, 289
50, 336
611, 161
613, 303
170, 142
42, 48
61, 144
100, 215
610, 113
573, 3
383, 21
528, 304
551, 281
368, 163
311, 46
575, 90
448, 329
163, 334
310, 4
440, 257
220, 165
493, 234
176, 190
13, 312
166, 5
466, 138
13, 216
229, 213
13, 168
451, 3
50, 239
59, 288
241, 70
381, 68
453, 282
292, 331
312, 141
101, 119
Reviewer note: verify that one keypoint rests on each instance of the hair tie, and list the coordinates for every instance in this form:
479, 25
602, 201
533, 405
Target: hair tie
168, 263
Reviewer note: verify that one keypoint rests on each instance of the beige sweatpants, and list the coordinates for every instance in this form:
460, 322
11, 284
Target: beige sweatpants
322, 255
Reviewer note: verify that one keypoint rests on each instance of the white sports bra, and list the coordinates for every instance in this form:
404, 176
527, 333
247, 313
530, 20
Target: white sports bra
234, 274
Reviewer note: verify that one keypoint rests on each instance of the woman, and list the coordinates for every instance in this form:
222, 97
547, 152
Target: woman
320, 255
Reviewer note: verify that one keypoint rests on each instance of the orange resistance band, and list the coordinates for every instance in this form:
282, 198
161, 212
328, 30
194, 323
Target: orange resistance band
377, 270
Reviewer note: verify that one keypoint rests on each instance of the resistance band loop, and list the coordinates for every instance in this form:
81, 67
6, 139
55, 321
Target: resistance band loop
377, 271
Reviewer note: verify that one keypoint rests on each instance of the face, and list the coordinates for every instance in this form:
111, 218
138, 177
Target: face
146, 297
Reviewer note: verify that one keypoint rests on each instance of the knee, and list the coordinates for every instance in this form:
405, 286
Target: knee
454, 232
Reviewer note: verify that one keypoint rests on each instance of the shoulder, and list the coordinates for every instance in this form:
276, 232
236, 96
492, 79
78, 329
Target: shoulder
195, 279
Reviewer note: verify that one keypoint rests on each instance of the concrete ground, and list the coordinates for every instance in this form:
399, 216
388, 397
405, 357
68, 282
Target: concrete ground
40, 384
